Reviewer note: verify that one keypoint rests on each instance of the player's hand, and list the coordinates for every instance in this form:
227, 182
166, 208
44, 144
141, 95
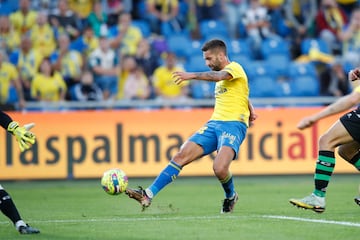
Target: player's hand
179, 77
253, 116
354, 74
23, 136
305, 123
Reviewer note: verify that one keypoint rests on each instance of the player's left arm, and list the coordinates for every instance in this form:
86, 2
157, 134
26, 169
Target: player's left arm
253, 116
213, 76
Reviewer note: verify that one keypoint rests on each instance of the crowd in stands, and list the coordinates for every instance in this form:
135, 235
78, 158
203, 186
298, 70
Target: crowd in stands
104, 50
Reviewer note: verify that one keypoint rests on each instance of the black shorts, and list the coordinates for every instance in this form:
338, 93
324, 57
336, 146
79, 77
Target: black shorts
351, 122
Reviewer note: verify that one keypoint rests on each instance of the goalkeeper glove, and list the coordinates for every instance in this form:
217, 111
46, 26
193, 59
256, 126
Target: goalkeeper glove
24, 137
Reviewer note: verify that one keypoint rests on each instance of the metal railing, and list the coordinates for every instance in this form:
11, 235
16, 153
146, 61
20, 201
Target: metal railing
186, 103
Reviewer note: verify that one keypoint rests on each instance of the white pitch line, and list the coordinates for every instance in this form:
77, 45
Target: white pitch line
138, 219
121, 219
351, 224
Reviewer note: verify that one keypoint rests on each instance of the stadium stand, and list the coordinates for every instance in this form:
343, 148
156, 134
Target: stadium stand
275, 69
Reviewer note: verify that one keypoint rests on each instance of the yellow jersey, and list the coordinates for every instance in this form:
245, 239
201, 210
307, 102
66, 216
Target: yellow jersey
28, 64
11, 39
23, 23
81, 7
206, 3
43, 39
71, 64
48, 88
346, 1
130, 41
8, 73
164, 82
232, 96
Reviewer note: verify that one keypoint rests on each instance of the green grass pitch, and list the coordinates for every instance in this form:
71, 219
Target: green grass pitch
187, 209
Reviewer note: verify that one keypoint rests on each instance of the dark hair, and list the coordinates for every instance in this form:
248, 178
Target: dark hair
52, 72
214, 44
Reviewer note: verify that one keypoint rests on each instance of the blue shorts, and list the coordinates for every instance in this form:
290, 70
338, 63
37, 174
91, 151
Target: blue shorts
216, 134
108, 83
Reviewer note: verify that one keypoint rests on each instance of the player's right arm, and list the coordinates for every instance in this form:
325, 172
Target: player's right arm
213, 76
342, 104
23, 136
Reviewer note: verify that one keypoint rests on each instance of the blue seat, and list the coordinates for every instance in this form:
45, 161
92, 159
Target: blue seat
275, 46
196, 63
13, 95
211, 27
280, 64
264, 86
196, 46
260, 68
140, 8
243, 60
305, 86
143, 26
168, 30
180, 44
78, 45
240, 47
202, 89
317, 43
304, 81
302, 69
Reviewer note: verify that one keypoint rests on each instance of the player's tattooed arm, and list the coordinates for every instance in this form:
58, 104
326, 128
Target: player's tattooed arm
213, 75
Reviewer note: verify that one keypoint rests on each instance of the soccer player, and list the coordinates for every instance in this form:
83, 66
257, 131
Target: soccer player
344, 134
25, 140
224, 132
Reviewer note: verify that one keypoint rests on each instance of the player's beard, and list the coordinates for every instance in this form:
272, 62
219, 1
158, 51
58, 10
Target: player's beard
216, 66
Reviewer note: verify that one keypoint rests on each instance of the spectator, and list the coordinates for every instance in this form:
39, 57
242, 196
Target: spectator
113, 8
67, 61
8, 78
165, 87
86, 43
277, 19
27, 60
45, 6
133, 82
124, 36
48, 85
98, 20
234, 11
42, 35
104, 65
333, 80
9, 40
82, 9
206, 9
147, 57
300, 16
257, 23
164, 14
64, 20
86, 89
330, 20
348, 5
350, 38
23, 19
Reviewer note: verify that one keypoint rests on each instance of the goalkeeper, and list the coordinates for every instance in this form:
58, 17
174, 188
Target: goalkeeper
25, 140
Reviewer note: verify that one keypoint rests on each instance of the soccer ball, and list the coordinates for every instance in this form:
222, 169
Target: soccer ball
114, 181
